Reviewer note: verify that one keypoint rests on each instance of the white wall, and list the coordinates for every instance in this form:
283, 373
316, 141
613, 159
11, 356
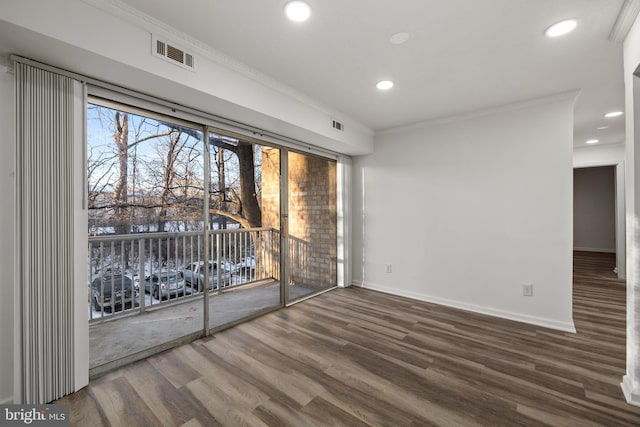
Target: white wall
631, 381
7, 220
594, 210
598, 155
468, 211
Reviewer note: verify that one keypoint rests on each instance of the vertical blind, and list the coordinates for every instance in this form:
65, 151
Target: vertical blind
45, 123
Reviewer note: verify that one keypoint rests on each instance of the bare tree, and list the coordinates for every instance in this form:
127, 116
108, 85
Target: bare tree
244, 207
99, 172
121, 141
174, 149
112, 188
250, 208
222, 187
132, 189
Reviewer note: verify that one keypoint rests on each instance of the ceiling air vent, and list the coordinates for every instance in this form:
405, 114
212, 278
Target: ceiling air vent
338, 126
172, 54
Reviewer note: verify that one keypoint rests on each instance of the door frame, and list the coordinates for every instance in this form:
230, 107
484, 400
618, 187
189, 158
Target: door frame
620, 210
284, 226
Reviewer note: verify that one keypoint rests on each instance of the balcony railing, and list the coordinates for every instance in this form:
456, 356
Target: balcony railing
129, 274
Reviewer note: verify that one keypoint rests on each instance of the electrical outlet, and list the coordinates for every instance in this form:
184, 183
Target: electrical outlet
388, 268
527, 290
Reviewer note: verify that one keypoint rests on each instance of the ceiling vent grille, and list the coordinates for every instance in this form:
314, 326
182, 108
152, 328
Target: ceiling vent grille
338, 125
172, 54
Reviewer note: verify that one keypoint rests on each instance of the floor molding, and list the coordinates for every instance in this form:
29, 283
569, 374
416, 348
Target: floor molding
538, 321
602, 250
627, 389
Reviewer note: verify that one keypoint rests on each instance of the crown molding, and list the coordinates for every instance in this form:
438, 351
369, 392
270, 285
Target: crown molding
570, 95
140, 19
626, 18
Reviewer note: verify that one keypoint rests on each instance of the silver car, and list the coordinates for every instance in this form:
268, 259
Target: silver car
164, 284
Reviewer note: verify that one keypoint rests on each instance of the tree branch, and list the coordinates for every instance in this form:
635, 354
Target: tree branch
146, 138
243, 221
149, 206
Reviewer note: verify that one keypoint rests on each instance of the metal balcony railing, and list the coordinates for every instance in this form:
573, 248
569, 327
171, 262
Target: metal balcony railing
129, 274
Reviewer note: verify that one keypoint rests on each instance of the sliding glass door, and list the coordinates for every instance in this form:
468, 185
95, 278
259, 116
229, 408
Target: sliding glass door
311, 225
244, 222
197, 229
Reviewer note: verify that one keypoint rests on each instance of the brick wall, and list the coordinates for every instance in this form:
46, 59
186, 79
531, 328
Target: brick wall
312, 215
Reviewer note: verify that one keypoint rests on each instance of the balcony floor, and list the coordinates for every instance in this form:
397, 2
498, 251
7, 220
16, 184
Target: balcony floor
125, 339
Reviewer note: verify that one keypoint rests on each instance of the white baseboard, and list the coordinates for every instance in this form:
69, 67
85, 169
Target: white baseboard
627, 389
357, 283
607, 251
6, 401
524, 318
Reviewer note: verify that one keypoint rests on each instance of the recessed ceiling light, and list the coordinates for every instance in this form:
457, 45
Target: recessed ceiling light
602, 128
384, 84
399, 38
613, 114
592, 141
297, 11
561, 28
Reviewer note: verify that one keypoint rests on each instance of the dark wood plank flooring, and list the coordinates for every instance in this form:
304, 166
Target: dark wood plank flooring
354, 357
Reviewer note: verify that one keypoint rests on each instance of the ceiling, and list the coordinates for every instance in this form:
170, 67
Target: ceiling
462, 55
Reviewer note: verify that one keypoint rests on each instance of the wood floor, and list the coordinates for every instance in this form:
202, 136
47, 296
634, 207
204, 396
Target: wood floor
355, 357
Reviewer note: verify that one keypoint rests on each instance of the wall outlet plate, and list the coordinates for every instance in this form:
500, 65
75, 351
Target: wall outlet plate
527, 290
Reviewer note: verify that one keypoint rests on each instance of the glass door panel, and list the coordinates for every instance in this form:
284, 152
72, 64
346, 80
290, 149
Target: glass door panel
145, 178
311, 224
244, 219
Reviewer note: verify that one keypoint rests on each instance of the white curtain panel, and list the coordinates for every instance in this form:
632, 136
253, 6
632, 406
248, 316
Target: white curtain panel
45, 235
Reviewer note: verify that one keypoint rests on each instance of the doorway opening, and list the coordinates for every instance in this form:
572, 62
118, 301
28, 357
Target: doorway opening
598, 213
594, 212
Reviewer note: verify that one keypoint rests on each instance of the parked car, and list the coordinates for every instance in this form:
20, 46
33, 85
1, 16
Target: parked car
112, 291
193, 275
164, 284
